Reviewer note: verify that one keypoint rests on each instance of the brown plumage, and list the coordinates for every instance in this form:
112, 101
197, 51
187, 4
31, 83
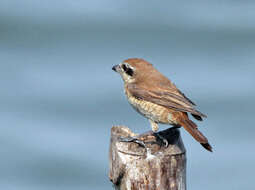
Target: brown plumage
158, 99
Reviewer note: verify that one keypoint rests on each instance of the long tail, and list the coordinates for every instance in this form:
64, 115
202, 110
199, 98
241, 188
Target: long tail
191, 127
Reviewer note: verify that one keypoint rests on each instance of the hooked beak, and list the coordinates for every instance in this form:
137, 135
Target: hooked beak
116, 68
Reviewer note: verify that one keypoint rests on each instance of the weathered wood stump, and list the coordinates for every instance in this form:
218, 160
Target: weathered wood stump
156, 167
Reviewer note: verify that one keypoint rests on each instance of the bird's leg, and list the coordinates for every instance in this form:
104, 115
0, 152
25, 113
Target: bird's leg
133, 139
155, 128
140, 139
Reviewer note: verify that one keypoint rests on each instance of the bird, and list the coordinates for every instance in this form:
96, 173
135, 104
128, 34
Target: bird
154, 96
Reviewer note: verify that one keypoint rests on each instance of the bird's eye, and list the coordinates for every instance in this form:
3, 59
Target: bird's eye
127, 70
124, 67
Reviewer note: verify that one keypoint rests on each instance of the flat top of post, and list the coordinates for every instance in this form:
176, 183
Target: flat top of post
172, 135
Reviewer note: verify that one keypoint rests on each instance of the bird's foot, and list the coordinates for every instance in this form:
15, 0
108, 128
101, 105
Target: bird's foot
160, 138
133, 139
147, 137
141, 139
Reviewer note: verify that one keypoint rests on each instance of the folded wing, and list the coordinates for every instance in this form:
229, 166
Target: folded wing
167, 97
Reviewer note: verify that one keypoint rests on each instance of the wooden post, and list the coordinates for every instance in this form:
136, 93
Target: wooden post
133, 167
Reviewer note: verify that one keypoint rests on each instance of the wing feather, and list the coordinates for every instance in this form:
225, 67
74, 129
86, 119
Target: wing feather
171, 99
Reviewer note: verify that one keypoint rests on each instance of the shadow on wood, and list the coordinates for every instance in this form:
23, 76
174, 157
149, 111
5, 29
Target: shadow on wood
133, 167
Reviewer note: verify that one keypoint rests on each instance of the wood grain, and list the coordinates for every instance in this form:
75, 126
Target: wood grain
133, 167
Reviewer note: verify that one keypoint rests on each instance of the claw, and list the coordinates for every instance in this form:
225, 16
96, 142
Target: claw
162, 139
132, 139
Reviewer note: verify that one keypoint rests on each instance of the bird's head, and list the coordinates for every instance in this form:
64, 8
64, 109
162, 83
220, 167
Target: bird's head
134, 69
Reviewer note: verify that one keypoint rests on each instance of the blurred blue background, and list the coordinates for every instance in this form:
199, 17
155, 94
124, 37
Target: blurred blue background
59, 96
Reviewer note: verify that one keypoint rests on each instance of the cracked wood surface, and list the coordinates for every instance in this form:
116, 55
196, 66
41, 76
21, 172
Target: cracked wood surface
133, 167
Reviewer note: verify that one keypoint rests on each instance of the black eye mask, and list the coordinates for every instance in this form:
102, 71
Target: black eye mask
127, 70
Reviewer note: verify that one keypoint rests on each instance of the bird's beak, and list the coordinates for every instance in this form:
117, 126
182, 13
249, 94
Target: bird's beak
116, 68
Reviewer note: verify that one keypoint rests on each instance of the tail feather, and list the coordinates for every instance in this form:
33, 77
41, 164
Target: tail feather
191, 127
207, 146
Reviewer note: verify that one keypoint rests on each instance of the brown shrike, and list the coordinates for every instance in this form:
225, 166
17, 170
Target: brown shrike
158, 99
